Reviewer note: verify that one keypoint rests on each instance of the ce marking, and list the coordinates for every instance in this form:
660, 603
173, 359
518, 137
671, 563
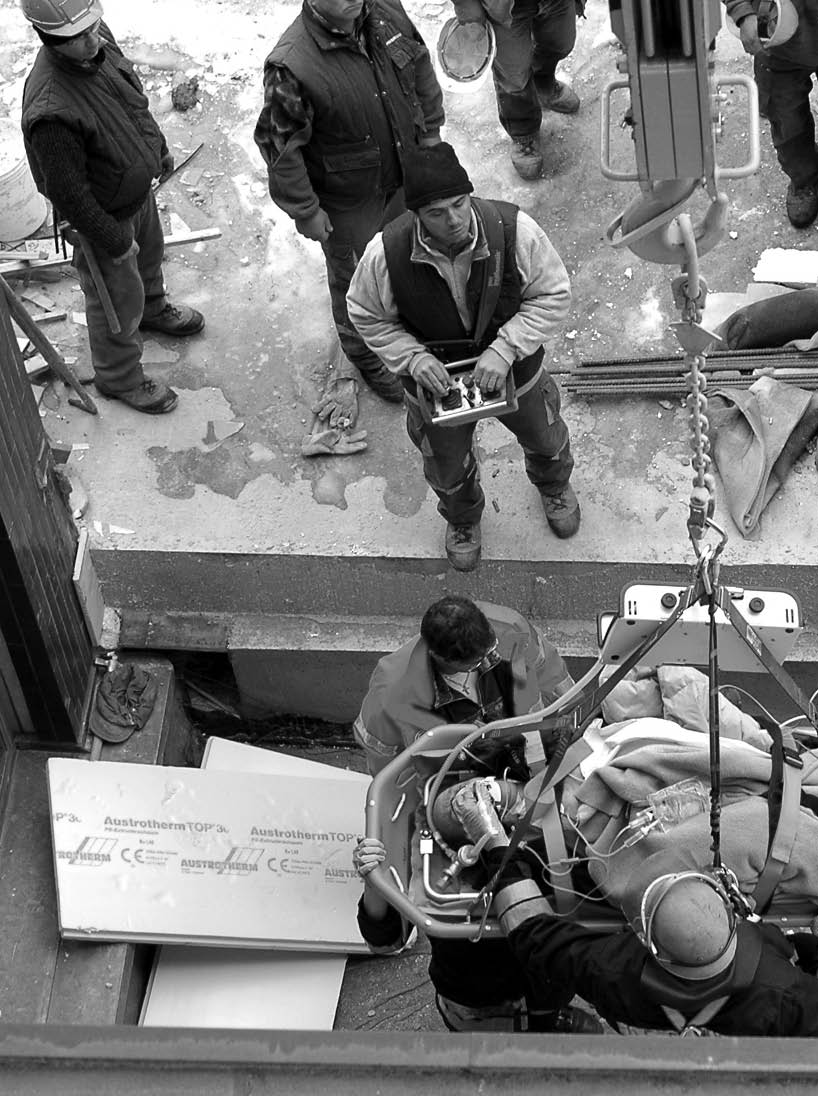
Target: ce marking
133, 856
278, 864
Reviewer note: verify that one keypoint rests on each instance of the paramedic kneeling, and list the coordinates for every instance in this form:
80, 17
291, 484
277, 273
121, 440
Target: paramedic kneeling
686, 963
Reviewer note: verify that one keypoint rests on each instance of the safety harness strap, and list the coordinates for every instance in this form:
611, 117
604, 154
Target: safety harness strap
702, 1018
779, 851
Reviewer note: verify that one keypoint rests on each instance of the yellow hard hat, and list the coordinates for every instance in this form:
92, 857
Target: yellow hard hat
687, 922
62, 18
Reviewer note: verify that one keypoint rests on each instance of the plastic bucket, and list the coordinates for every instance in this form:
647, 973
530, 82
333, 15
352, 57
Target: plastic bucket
22, 208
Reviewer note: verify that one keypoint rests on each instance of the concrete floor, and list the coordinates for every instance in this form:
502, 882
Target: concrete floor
182, 522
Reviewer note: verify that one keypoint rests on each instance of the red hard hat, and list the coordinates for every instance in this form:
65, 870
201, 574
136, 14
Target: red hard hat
62, 18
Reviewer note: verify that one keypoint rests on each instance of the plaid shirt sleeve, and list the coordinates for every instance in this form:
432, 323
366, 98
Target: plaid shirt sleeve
283, 128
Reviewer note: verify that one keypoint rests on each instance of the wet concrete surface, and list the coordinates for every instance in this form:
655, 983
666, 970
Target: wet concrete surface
199, 482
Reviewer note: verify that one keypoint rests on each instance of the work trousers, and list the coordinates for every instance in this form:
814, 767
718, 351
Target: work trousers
508, 1016
783, 94
450, 463
136, 288
541, 34
352, 229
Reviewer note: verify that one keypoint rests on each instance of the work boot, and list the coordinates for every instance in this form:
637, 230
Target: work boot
570, 1020
463, 546
554, 95
152, 397
526, 156
383, 383
562, 512
174, 319
802, 204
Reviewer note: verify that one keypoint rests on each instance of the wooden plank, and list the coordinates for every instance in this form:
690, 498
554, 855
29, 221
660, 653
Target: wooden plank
196, 235
89, 591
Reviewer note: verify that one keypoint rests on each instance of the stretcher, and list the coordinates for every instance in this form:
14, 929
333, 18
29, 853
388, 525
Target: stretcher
437, 883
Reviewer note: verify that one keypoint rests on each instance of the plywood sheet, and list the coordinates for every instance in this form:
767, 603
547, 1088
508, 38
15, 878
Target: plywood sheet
788, 266
173, 855
229, 988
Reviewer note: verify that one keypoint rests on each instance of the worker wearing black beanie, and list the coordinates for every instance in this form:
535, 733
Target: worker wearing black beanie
432, 173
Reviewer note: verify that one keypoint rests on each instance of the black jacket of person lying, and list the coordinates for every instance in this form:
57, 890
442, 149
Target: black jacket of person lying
686, 961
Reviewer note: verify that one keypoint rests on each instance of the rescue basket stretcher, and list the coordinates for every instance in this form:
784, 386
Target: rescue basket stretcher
418, 878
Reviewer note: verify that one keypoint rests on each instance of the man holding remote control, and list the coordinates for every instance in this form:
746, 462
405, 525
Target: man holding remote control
458, 277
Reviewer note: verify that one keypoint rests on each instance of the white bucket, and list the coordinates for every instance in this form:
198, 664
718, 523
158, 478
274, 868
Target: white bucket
22, 207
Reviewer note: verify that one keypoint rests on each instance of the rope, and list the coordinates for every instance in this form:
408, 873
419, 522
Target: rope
715, 730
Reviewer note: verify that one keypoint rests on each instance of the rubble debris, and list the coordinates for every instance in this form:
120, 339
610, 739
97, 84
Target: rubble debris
185, 92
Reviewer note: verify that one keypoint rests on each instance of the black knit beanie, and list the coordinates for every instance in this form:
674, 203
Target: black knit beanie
432, 173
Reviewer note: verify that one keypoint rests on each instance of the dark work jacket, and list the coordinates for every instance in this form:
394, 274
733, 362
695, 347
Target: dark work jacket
366, 104
107, 109
607, 969
426, 306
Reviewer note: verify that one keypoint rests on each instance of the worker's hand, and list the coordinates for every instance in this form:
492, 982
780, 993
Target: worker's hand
167, 167
133, 250
431, 374
317, 227
69, 233
474, 809
333, 443
469, 11
490, 372
339, 404
748, 29
367, 855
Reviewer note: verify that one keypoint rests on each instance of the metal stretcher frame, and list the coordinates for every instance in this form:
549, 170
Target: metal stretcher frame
392, 797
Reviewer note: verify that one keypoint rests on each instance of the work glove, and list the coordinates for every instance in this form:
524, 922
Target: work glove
473, 808
333, 443
132, 250
317, 227
367, 855
806, 950
339, 404
469, 11
490, 372
167, 167
750, 39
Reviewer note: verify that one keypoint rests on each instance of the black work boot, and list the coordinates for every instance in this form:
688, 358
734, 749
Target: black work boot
526, 155
562, 512
383, 383
802, 204
554, 95
174, 319
152, 397
463, 546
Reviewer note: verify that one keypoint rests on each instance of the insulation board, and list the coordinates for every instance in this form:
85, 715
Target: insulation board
173, 855
233, 988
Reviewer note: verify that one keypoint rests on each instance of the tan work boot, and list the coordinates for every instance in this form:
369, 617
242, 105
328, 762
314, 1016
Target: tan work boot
526, 155
152, 397
174, 319
463, 546
562, 512
557, 96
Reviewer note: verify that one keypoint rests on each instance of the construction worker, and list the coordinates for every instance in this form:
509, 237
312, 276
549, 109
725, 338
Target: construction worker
472, 662
532, 37
94, 150
469, 278
348, 90
686, 962
783, 73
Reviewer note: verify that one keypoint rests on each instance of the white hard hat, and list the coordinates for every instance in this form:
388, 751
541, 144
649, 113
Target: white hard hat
778, 22
464, 55
62, 18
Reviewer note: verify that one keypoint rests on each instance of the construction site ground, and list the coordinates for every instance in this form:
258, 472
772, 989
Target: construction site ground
212, 510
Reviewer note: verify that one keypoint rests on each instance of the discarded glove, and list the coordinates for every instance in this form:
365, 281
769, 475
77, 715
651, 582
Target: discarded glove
333, 443
339, 404
123, 703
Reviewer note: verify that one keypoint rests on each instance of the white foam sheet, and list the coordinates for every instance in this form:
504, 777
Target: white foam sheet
227, 988
172, 855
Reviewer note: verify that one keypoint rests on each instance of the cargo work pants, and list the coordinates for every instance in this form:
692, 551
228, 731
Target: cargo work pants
136, 288
783, 98
542, 33
352, 229
450, 463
